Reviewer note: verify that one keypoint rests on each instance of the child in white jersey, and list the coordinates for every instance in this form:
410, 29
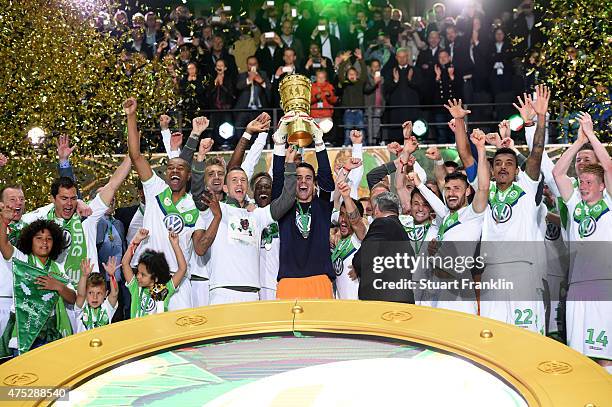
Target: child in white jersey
152, 286
95, 306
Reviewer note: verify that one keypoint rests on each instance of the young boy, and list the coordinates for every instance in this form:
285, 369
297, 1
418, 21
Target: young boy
97, 310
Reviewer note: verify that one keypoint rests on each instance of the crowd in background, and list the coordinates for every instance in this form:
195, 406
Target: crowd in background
366, 61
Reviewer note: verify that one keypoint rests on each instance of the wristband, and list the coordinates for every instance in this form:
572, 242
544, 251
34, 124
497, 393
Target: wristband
439, 162
247, 135
529, 123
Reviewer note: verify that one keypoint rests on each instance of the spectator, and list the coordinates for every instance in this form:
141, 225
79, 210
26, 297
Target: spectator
381, 49
270, 53
358, 29
206, 38
445, 86
450, 40
290, 40
374, 96
267, 18
316, 62
526, 28
330, 46
121, 24
255, 90
306, 24
338, 27
218, 52
138, 45
152, 35
245, 46
220, 93
193, 92
182, 20
402, 86
352, 83
391, 27
501, 74
322, 97
426, 60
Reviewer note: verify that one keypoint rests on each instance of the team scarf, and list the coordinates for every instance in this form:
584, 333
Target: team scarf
303, 220
417, 233
587, 216
94, 317
343, 249
168, 207
450, 221
33, 305
268, 235
14, 231
75, 243
499, 200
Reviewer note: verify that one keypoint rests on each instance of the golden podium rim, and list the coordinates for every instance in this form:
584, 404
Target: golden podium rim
543, 371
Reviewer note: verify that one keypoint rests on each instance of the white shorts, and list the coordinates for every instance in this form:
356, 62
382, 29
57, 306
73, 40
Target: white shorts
589, 328
222, 295
267, 294
182, 297
5, 312
200, 293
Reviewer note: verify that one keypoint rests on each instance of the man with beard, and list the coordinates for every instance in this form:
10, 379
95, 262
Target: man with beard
234, 253
304, 271
352, 232
458, 222
11, 196
511, 226
170, 208
589, 227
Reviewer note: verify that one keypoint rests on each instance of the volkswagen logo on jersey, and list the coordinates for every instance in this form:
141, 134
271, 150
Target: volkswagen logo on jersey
67, 238
147, 304
416, 234
501, 213
553, 231
174, 223
338, 265
587, 227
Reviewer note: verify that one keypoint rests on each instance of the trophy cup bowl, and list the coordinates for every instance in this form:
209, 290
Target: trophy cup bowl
295, 97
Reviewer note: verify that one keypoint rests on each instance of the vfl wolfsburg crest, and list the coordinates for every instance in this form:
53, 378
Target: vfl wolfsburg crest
147, 304
174, 223
553, 231
416, 233
501, 212
587, 226
338, 265
67, 238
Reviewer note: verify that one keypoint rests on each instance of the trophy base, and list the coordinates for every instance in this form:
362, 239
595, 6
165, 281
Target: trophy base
299, 133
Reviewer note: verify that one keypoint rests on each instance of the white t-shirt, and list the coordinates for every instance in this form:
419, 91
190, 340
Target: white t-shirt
90, 229
234, 255
516, 222
83, 314
155, 220
590, 241
346, 289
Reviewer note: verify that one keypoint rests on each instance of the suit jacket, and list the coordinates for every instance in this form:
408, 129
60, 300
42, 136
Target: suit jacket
262, 94
336, 47
269, 62
209, 60
386, 237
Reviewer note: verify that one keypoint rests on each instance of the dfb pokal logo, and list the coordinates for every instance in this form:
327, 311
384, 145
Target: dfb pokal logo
174, 223
501, 213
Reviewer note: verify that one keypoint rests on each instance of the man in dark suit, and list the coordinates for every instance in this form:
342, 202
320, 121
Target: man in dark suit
255, 91
138, 45
382, 279
287, 68
402, 86
218, 51
330, 45
270, 54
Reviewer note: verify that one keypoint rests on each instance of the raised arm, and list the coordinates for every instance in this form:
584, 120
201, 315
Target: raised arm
198, 171
259, 125
110, 267
7, 213
481, 198
180, 259
281, 205
254, 154
107, 192
400, 184
436, 204
140, 163
128, 274
356, 175
563, 164
456, 110
86, 268
164, 125
325, 180
353, 215
602, 155
438, 163
278, 159
198, 126
540, 106
203, 239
